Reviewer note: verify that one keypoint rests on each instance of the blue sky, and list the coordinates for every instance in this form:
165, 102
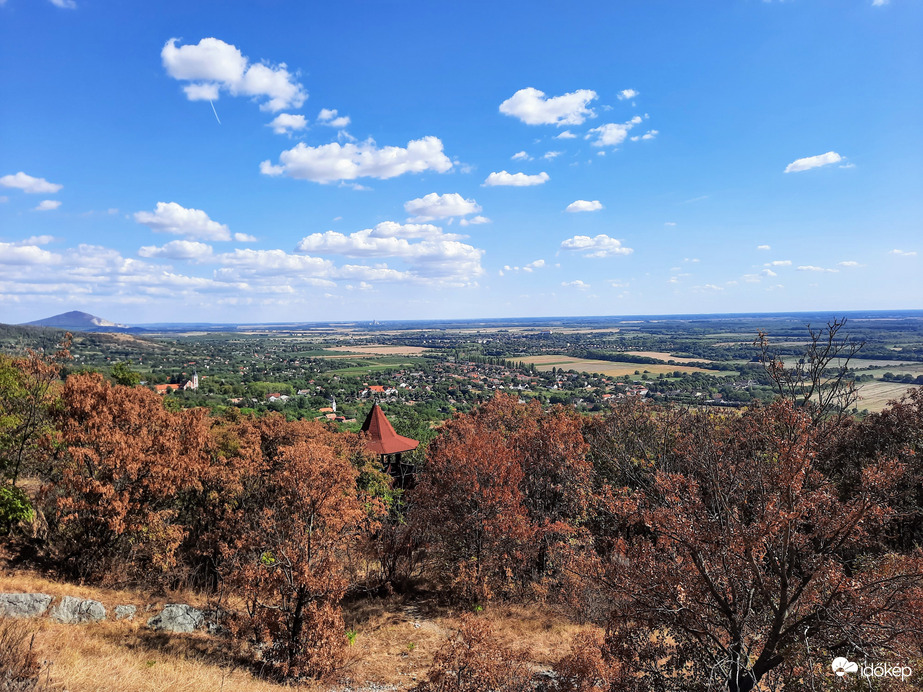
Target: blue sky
288, 161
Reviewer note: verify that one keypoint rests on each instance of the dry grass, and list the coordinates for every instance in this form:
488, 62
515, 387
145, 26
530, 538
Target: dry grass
394, 644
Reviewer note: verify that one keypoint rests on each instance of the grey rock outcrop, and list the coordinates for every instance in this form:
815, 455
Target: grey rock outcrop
177, 617
73, 610
125, 612
24, 605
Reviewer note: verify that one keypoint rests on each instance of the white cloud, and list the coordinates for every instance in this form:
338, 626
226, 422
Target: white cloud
626, 94
768, 272
848, 264
212, 65
170, 217
599, 246
244, 238
330, 162
437, 255
578, 284
669, 223
880, 3
434, 206
27, 183
612, 134
178, 250
812, 268
533, 108
515, 179
65, 4
778, 263
26, 254
650, 134
903, 253
286, 123
474, 221
584, 205
37, 240
552, 154
567, 134
48, 205
330, 118
810, 162
528, 268
763, 247
521, 156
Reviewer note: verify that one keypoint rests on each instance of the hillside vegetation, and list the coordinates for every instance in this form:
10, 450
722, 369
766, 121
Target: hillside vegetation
650, 548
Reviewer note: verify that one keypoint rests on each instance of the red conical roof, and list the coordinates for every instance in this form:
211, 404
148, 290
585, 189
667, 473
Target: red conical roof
382, 438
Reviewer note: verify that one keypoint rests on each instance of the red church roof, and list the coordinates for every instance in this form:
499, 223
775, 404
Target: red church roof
382, 438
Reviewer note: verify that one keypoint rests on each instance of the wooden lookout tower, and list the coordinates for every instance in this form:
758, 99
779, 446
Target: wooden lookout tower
386, 443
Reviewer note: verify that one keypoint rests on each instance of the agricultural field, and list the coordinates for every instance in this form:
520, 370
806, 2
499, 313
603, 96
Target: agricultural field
874, 396
660, 355
604, 367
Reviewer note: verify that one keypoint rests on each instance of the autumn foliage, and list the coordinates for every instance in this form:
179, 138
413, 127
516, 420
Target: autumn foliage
715, 551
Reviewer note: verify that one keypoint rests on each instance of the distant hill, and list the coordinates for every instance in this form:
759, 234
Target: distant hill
80, 322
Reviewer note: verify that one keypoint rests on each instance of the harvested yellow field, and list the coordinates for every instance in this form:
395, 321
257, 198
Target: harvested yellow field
666, 356
604, 367
875, 396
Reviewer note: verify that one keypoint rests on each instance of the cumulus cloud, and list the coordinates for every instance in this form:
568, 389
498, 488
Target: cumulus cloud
170, 217
178, 250
286, 123
577, 283
612, 134
584, 205
598, 246
848, 264
516, 179
626, 94
244, 238
768, 272
212, 66
650, 134
434, 206
474, 221
48, 205
436, 255
521, 156
26, 254
810, 162
528, 268
778, 263
532, 107
331, 118
335, 161
567, 134
27, 183
903, 253
812, 268
763, 247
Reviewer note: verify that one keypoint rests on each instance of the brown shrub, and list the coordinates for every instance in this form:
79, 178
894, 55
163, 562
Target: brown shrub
473, 661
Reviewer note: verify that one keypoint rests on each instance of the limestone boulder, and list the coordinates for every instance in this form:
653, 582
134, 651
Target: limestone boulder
24, 605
